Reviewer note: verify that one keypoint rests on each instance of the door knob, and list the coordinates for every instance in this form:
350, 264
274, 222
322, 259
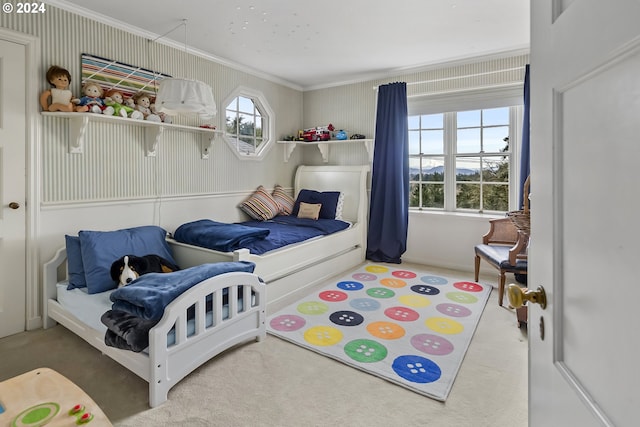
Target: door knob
14, 205
517, 296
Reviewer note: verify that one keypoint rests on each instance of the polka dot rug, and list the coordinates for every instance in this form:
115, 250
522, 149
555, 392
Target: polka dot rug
409, 327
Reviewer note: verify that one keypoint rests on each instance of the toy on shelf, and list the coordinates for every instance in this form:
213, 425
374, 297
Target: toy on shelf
60, 94
92, 100
319, 133
115, 100
163, 117
137, 115
143, 104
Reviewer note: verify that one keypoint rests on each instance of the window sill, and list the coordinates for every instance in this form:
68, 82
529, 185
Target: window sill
465, 215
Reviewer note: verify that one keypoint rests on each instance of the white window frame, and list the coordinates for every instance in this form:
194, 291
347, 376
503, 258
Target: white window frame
268, 123
477, 99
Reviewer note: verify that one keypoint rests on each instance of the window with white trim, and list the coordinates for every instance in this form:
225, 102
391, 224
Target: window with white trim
249, 121
464, 160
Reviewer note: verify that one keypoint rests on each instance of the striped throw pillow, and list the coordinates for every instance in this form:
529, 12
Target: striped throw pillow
260, 205
283, 199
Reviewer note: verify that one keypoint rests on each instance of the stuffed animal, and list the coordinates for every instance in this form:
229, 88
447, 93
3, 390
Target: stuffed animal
143, 104
128, 268
163, 116
60, 94
115, 100
92, 100
135, 114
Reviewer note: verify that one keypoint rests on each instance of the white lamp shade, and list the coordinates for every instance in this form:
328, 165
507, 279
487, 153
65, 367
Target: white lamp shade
179, 96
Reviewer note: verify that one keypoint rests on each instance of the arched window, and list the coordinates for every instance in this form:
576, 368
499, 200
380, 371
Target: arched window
249, 124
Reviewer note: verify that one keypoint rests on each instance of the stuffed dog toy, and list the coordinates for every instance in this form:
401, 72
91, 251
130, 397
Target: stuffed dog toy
128, 268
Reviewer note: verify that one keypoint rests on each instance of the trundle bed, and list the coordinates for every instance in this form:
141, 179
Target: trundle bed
294, 268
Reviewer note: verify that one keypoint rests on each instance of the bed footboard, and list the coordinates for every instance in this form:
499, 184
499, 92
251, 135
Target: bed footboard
244, 320
165, 365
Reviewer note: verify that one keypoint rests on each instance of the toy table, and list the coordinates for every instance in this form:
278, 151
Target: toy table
43, 397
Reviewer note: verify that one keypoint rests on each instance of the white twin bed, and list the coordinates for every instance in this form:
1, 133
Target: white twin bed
178, 344
294, 268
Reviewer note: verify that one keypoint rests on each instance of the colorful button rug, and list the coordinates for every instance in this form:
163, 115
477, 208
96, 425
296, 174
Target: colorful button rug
409, 327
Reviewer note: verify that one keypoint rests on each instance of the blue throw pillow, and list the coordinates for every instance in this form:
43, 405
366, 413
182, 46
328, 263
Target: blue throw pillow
101, 248
328, 200
75, 268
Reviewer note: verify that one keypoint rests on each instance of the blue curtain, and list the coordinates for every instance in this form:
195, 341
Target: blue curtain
524, 158
389, 208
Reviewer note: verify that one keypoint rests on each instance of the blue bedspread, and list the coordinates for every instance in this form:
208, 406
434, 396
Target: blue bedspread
147, 296
281, 231
223, 237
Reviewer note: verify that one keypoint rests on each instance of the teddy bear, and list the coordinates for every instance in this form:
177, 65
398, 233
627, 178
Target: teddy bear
92, 100
143, 104
60, 94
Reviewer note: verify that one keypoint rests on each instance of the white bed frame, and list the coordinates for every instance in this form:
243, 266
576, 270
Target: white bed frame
164, 366
291, 270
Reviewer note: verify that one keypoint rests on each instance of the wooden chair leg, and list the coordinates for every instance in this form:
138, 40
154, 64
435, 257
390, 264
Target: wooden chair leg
503, 279
477, 268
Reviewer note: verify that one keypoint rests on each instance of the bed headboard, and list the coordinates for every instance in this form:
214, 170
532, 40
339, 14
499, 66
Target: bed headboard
350, 180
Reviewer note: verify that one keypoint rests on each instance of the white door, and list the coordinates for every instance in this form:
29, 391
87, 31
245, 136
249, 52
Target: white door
12, 188
585, 204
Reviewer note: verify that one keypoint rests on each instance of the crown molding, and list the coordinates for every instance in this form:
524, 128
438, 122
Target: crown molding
103, 19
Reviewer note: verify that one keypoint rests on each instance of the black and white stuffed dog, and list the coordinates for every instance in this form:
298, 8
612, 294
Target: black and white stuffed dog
128, 268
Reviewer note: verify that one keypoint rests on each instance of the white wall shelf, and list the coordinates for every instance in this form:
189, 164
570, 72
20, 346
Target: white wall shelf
78, 123
324, 146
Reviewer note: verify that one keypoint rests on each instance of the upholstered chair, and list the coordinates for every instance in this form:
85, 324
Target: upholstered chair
505, 248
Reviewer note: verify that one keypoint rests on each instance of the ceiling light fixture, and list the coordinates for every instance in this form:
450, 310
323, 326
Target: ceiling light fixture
185, 96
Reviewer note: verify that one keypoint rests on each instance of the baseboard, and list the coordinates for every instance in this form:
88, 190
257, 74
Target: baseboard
447, 265
34, 323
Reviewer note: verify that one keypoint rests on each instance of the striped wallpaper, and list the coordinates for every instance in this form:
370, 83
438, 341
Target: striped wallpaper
114, 167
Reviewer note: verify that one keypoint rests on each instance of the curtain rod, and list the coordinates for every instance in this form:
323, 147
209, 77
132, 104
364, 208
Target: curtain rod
460, 77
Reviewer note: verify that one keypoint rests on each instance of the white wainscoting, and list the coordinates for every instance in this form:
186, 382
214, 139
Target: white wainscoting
438, 239
169, 213
446, 240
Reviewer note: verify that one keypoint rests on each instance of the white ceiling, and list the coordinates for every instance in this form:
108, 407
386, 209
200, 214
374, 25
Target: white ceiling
312, 44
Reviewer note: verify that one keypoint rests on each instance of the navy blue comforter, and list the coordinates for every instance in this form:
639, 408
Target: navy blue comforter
218, 235
267, 235
148, 295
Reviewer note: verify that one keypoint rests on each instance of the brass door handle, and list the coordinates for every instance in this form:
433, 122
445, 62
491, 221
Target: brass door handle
14, 205
517, 296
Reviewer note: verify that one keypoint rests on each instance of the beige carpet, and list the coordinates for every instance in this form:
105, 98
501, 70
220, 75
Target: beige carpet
268, 383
